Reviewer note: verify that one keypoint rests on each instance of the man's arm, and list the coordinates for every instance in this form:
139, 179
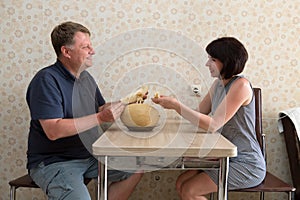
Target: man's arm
60, 128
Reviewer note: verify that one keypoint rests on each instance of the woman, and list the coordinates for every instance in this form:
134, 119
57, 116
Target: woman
228, 108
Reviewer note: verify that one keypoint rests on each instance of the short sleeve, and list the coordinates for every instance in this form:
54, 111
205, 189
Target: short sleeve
44, 98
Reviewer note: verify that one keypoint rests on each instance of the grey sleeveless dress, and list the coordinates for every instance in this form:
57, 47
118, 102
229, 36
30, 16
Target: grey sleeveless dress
248, 169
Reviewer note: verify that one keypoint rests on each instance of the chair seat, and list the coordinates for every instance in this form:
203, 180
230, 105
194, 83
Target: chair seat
270, 184
23, 181
26, 181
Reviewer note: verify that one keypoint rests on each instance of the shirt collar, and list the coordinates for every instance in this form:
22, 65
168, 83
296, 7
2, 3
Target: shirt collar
67, 73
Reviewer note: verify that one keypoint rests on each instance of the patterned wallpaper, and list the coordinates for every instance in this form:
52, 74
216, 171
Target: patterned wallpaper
159, 43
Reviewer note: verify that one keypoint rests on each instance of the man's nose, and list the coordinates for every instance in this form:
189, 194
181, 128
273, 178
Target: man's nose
92, 51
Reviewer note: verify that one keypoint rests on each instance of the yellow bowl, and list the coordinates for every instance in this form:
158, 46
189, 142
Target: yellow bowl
140, 117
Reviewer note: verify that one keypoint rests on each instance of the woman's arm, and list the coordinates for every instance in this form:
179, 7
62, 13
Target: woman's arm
206, 103
238, 95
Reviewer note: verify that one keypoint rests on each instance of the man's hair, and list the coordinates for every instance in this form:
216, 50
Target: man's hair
63, 35
231, 53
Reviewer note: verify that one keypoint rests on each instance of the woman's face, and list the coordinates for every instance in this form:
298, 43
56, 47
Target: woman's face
215, 66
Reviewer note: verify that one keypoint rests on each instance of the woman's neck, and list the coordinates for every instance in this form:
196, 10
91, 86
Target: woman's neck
226, 81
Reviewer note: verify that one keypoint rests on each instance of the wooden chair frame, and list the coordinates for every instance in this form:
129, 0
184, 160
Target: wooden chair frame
271, 183
293, 150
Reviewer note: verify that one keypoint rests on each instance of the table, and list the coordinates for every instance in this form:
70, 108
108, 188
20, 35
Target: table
176, 144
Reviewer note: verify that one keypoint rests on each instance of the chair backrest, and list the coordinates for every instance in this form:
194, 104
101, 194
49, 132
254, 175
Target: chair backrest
293, 150
258, 120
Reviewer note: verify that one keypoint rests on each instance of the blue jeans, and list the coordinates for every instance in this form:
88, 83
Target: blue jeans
64, 180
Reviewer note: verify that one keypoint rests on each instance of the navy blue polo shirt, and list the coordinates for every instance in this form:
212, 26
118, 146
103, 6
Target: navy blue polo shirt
55, 93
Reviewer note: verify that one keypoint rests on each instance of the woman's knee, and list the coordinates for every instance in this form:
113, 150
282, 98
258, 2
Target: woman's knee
178, 185
185, 176
186, 192
191, 190
138, 176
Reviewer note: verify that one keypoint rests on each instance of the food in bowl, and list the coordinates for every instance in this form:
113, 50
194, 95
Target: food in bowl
139, 116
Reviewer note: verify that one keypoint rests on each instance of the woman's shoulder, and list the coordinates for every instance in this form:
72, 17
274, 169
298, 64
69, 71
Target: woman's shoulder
243, 88
242, 82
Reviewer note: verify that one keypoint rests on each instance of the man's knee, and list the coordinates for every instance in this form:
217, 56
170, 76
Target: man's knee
67, 190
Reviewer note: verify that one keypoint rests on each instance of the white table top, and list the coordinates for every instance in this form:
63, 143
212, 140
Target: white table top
175, 138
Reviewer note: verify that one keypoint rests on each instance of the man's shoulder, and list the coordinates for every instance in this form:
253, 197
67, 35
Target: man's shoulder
48, 71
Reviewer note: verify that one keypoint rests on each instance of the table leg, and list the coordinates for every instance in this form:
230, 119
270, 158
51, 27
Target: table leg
102, 179
223, 176
100, 176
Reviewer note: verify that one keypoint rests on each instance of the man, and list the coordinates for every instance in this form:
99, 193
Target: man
66, 108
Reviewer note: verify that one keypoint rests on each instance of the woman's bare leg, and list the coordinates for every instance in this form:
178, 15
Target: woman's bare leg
183, 177
196, 187
123, 189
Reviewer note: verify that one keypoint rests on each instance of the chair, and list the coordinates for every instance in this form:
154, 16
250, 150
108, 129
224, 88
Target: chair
26, 181
271, 183
293, 150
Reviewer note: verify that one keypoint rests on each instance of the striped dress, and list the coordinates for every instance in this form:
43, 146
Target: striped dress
248, 169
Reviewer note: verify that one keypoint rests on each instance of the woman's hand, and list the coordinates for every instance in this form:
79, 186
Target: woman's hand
167, 102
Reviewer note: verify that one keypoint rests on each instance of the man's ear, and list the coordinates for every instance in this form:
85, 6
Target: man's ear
65, 51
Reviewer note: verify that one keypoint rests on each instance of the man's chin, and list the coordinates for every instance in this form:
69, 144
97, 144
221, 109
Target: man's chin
87, 64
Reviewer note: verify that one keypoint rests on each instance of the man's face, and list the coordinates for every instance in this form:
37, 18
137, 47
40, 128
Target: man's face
81, 51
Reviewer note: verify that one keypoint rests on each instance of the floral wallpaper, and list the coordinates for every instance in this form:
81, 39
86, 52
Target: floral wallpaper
158, 43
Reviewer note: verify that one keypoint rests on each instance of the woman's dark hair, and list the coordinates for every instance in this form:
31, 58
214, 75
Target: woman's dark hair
231, 53
63, 35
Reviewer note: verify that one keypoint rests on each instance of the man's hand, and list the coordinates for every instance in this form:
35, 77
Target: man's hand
109, 112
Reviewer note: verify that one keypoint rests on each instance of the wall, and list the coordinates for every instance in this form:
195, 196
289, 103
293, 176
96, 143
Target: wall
121, 33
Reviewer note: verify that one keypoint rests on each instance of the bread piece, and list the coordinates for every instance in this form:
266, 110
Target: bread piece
136, 96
